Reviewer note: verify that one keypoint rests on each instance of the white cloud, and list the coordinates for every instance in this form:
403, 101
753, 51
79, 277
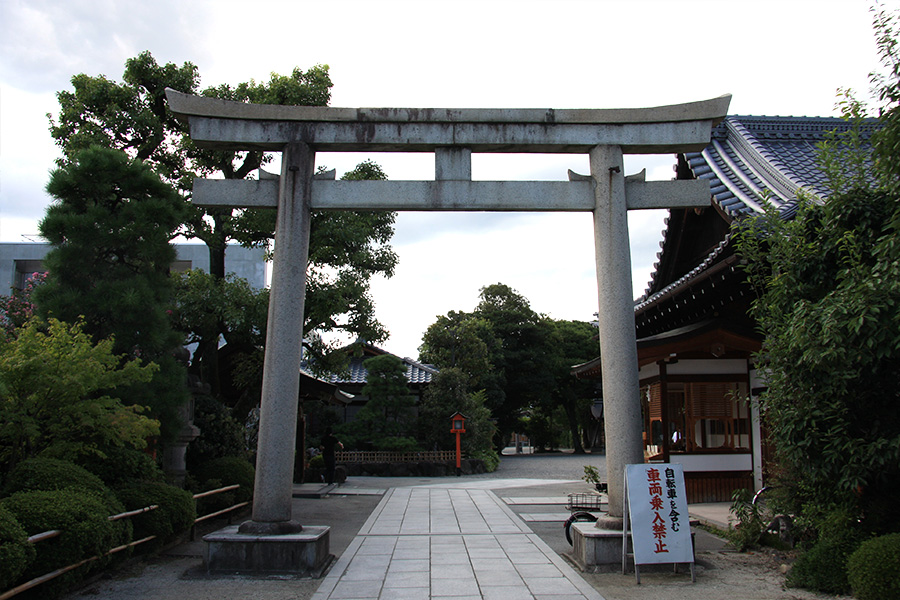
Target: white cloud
775, 57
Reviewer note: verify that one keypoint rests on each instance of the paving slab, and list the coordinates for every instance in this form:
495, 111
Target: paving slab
441, 541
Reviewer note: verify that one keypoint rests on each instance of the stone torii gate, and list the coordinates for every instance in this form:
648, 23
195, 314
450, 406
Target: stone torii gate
452, 135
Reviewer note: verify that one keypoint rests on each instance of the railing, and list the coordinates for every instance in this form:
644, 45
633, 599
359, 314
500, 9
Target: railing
218, 513
47, 535
392, 457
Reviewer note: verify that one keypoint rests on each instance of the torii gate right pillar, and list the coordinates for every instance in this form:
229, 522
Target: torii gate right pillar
618, 345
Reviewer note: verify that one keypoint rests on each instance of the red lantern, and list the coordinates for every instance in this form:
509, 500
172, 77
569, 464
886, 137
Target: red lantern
458, 426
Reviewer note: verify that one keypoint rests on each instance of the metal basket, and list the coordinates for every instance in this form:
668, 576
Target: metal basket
586, 501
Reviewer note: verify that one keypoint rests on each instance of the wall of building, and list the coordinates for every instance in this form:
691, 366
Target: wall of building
19, 260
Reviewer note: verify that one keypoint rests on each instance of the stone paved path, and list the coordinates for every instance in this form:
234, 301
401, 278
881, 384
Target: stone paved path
422, 543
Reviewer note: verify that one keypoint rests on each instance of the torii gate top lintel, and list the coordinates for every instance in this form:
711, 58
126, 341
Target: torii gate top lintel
224, 124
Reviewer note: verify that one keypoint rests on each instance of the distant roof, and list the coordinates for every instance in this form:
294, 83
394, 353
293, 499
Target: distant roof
357, 373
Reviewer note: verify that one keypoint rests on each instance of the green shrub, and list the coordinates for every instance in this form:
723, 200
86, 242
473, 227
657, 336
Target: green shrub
52, 474
750, 524
823, 567
15, 551
176, 512
228, 470
490, 458
220, 433
396, 444
86, 532
121, 465
874, 569
317, 462
216, 502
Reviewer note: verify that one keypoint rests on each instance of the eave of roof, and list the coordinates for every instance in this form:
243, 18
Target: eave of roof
416, 373
753, 162
694, 337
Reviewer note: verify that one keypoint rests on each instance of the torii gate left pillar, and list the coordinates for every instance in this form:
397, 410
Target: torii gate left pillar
452, 135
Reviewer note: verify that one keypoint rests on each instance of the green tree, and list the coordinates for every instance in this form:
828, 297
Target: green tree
110, 226
525, 341
133, 116
447, 394
57, 395
346, 248
209, 310
574, 342
461, 341
829, 306
388, 418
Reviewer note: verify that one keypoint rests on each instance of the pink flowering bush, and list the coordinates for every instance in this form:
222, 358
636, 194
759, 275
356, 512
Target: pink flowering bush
17, 308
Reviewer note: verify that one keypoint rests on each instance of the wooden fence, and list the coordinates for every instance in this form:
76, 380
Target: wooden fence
394, 457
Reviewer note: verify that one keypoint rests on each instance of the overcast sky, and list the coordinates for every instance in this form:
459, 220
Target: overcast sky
785, 57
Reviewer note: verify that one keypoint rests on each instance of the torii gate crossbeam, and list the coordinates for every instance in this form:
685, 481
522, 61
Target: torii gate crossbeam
452, 134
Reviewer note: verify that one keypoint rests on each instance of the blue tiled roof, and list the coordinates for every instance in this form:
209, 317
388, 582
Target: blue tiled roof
357, 373
752, 162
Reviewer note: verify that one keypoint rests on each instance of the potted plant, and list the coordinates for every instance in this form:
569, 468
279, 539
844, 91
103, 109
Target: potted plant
592, 476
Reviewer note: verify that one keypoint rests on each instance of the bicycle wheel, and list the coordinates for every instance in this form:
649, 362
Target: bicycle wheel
582, 517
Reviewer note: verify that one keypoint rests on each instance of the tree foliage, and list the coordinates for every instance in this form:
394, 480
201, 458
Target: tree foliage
447, 394
524, 341
574, 342
388, 418
461, 341
57, 395
521, 360
346, 248
110, 227
829, 307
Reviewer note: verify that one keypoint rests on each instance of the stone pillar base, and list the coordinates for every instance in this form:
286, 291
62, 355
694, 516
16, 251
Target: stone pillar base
595, 546
303, 554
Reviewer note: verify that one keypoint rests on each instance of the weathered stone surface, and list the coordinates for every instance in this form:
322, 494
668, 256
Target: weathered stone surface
190, 105
281, 368
618, 346
224, 124
594, 546
536, 196
303, 554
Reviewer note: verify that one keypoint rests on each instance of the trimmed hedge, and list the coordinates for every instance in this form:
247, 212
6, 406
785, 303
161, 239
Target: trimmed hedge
86, 531
15, 551
121, 465
823, 568
221, 472
176, 512
874, 569
228, 471
49, 474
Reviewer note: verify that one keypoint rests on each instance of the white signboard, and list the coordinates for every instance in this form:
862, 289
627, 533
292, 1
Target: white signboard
657, 504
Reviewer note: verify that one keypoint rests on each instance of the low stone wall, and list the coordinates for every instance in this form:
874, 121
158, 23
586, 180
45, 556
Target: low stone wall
412, 469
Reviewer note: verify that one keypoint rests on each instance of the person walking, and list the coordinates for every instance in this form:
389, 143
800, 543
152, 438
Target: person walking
330, 444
